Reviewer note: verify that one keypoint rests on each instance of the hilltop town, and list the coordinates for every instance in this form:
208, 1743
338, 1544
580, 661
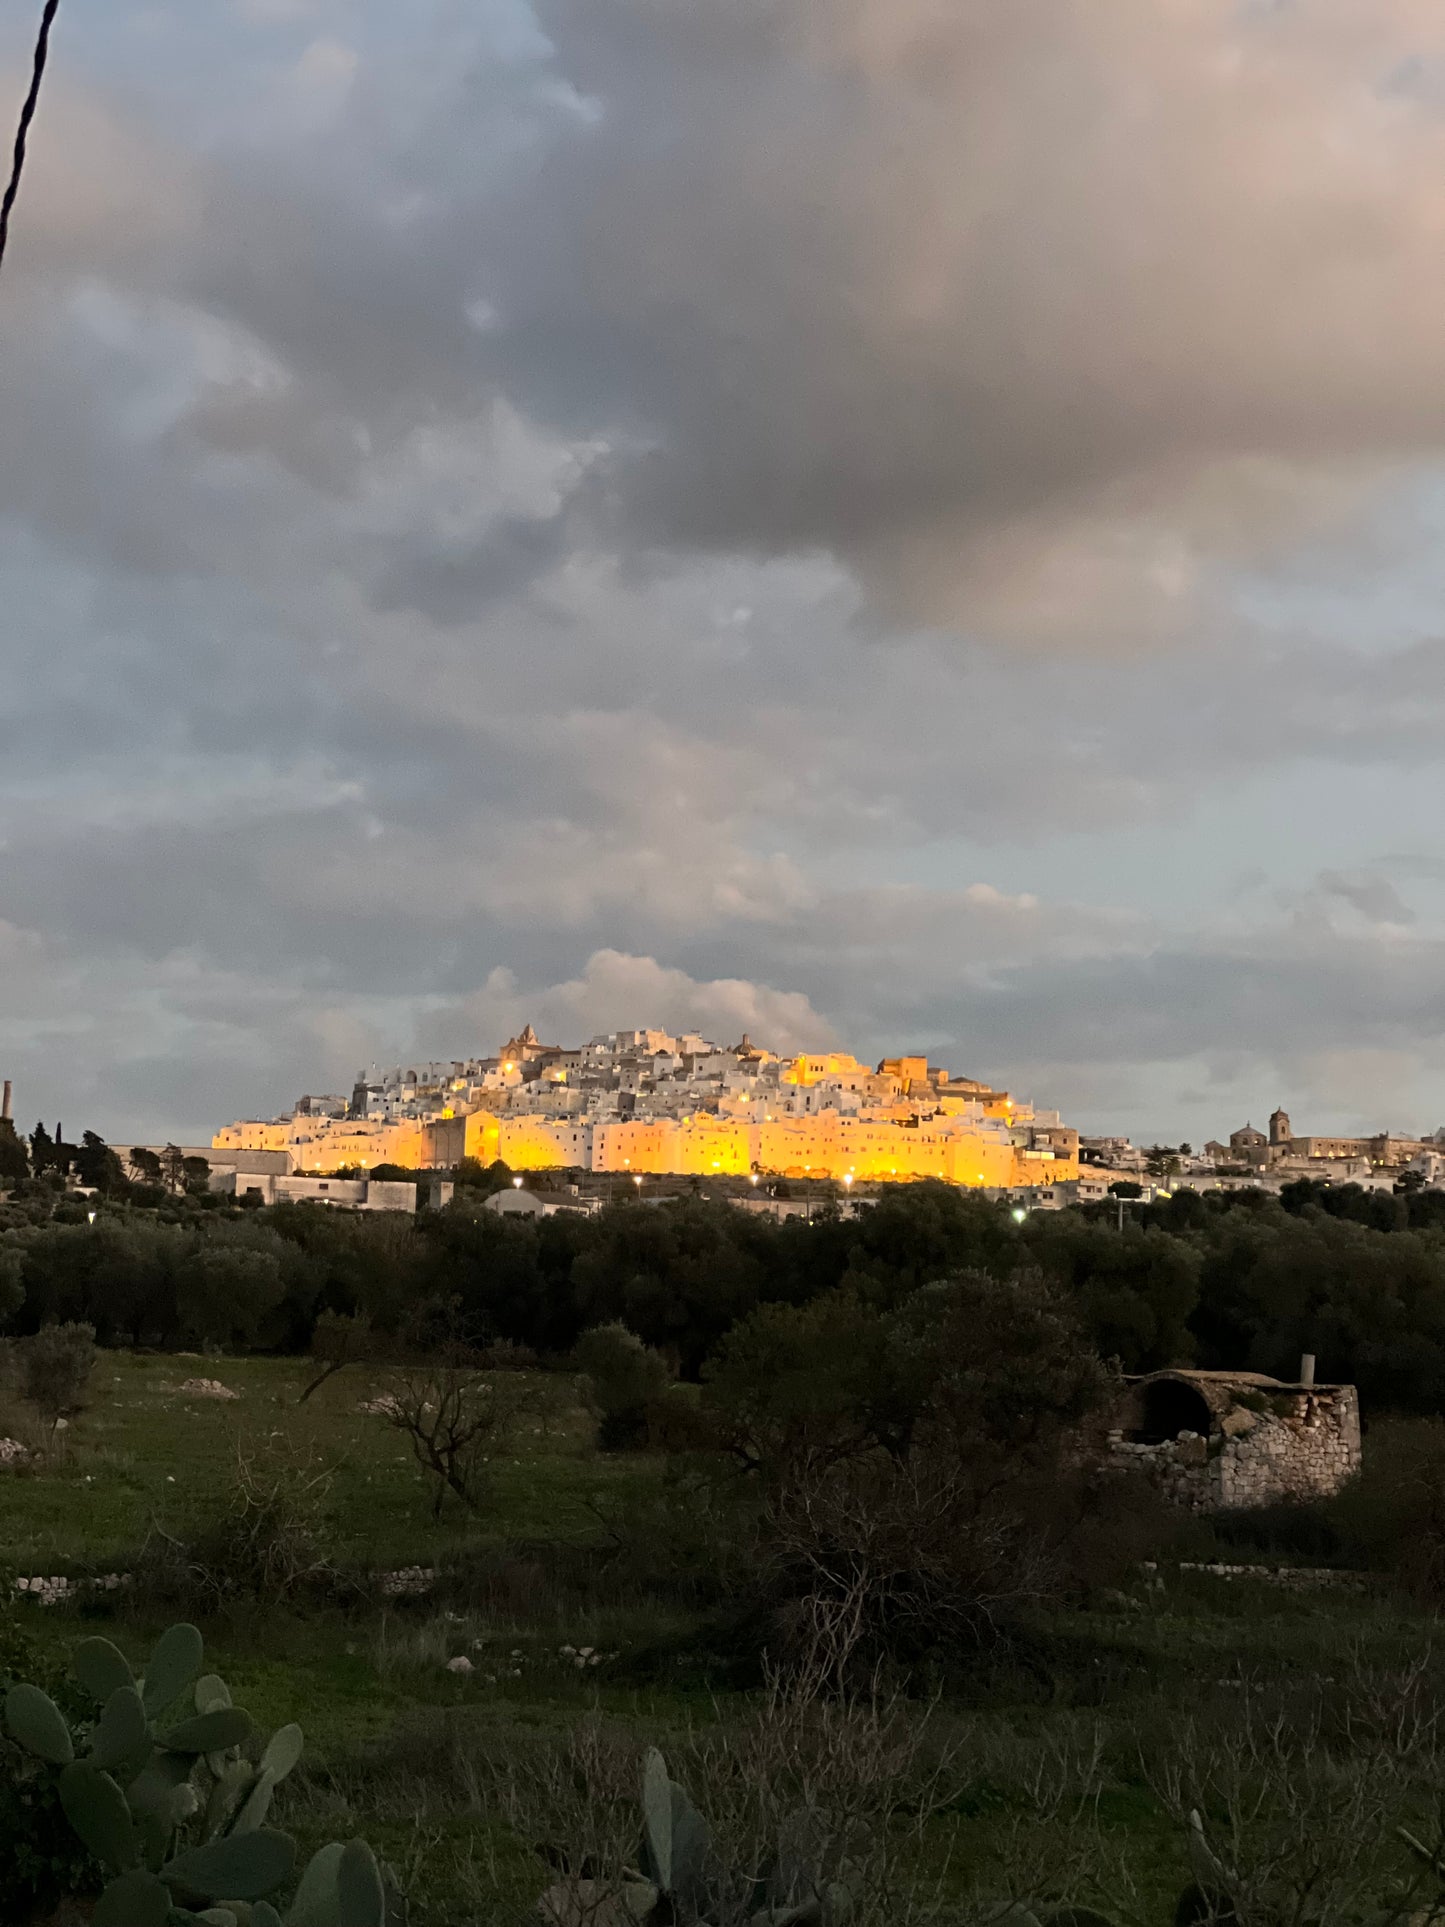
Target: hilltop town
648, 1102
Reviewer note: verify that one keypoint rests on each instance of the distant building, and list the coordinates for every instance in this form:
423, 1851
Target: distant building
517, 1202
782, 1209
1343, 1159
349, 1194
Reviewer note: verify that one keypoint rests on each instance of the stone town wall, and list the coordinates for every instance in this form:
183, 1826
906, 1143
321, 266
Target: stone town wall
1267, 1448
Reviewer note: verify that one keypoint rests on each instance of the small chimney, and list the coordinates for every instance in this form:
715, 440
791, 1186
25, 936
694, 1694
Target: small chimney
1307, 1369
6, 1114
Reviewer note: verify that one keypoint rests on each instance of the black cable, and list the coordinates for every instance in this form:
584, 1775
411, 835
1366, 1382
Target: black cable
27, 114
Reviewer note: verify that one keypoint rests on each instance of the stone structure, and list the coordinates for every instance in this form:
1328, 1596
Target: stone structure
348, 1194
1217, 1441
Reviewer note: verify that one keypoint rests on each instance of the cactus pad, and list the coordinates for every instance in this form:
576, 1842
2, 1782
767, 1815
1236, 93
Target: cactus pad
34, 1720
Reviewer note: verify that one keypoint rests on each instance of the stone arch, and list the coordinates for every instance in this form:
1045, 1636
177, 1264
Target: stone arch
1163, 1408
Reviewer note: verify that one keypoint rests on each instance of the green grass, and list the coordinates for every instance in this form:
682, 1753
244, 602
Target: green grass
144, 1454
1053, 1777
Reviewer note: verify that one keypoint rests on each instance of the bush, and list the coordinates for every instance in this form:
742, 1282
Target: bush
1391, 1517
55, 1368
12, 1282
622, 1380
923, 1473
263, 1548
225, 1292
816, 1808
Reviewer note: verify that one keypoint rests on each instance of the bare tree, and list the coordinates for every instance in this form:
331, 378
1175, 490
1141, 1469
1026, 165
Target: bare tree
339, 1339
456, 1415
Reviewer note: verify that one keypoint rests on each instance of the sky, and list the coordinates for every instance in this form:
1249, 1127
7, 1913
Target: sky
886, 524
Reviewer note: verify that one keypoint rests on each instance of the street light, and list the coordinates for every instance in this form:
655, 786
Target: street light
1018, 1214
516, 1184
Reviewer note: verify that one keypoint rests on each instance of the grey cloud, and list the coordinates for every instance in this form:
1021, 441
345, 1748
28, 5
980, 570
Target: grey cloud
1375, 897
1273, 1011
1027, 312
457, 588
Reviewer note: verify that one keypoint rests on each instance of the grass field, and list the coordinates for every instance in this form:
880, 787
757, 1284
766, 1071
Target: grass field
145, 1453
1056, 1765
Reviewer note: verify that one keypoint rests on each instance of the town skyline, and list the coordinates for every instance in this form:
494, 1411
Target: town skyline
437, 1073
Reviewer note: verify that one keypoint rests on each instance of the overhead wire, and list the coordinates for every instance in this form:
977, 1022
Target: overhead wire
27, 115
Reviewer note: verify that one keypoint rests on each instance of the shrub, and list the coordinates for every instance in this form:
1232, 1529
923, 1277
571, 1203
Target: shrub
263, 1548
815, 1810
923, 1473
12, 1282
1391, 1517
622, 1381
55, 1368
224, 1293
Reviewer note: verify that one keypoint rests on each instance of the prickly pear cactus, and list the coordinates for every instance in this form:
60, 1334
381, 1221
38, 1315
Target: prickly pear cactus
681, 1882
169, 1790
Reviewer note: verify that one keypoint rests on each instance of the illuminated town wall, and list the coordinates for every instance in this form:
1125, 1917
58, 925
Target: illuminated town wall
359, 1147
542, 1143
867, 1148
825, 1146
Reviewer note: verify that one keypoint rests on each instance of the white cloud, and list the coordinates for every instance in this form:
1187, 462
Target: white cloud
621, 992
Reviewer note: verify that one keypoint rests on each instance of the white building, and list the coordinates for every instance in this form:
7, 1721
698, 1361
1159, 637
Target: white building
350, 1194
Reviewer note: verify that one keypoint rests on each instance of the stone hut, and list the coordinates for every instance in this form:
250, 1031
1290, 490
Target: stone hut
1219, 1440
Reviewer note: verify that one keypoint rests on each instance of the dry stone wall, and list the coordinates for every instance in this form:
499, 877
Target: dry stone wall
1266, 1443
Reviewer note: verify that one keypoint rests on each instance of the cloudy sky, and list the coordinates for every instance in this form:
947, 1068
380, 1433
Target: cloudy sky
911, 523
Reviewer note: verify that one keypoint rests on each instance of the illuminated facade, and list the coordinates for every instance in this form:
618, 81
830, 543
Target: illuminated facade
649, 1103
